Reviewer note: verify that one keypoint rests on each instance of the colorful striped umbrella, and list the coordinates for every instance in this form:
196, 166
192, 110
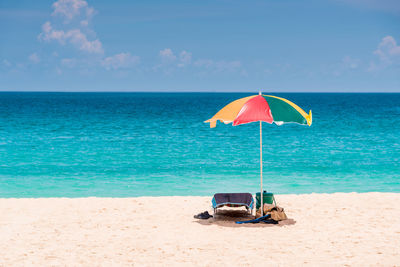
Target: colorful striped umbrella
261, 108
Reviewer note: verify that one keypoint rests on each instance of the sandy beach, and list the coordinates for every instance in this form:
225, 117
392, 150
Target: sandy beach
324, 229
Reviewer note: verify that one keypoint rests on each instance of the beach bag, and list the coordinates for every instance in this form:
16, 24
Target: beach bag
277, 213
267, 209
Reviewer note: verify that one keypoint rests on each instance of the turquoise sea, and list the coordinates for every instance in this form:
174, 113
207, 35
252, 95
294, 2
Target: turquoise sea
156, 144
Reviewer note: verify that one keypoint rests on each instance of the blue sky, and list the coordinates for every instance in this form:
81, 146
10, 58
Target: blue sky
247, 46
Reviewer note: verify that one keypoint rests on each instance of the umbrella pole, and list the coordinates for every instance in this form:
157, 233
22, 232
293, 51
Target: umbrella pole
261, 172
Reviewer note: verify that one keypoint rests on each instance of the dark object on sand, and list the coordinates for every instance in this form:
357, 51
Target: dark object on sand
264, 219
204, 215
233, 200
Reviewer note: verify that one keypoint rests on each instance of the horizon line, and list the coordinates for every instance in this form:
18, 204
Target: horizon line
217, 92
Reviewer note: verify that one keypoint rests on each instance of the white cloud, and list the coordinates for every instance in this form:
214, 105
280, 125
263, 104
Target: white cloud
74, 37
48, 33
70, 8
79, 12
350, 63
90, 11
170, 62
167, 56
388, 50
75, 31
79, 39
34, 58
185, 59
388, 53
119, 61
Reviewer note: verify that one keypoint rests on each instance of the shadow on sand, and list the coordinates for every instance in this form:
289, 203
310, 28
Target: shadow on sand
228, 218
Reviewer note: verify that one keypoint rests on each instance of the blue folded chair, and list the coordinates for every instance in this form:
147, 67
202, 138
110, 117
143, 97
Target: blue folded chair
233, 200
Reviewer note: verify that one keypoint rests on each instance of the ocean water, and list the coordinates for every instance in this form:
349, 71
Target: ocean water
156, 144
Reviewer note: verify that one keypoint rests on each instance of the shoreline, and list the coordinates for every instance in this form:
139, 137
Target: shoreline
339, 228
196, 196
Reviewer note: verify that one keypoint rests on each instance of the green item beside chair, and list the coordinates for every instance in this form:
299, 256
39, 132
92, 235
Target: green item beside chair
268, 198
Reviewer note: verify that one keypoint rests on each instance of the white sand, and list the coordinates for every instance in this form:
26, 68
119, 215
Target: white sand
329, 229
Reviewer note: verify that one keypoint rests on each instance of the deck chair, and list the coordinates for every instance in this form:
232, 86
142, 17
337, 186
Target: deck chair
233, 200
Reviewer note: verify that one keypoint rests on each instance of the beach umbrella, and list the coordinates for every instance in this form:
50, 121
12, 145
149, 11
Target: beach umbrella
261, 108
